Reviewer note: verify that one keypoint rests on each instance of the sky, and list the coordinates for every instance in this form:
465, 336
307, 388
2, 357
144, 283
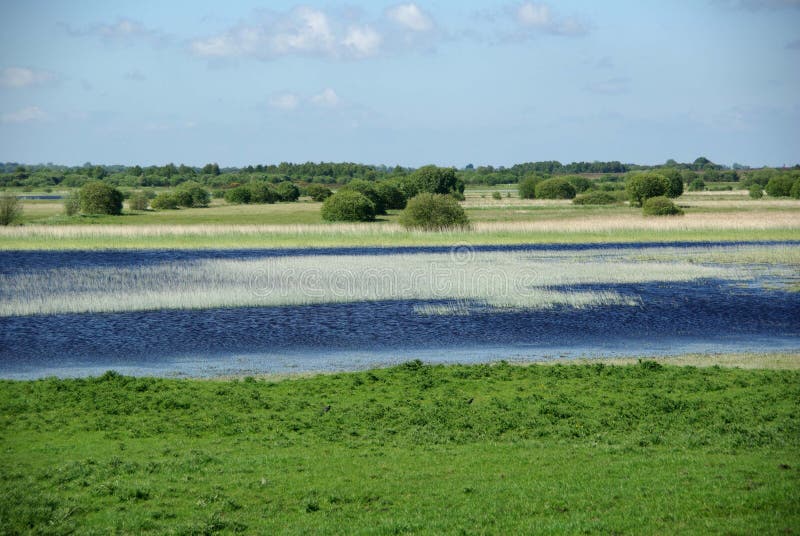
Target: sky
448, 82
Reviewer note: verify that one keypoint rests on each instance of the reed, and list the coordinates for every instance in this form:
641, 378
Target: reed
498, 280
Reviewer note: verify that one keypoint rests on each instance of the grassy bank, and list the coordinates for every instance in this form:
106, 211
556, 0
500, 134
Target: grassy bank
640, 448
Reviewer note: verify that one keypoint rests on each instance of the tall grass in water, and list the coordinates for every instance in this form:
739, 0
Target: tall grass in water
496, 279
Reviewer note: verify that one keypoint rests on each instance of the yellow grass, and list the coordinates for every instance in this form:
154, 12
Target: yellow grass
773, 360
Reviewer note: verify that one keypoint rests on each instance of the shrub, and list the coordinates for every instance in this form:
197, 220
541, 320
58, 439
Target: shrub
348, 205
434, 180
238, 195
660, 206
643, 186
497, 195
138, 201
10, 209
795, 191
318, 192
697, 185
72, 203
367, 189
595, 198
391, 195
557, 188
675, 180
165, 201
688, 176
261, 192
100, 198
527, 187
756, 191
581, 184
433, 211
192, 194
287, 191
779, 186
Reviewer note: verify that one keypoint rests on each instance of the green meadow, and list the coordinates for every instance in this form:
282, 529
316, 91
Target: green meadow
566, 449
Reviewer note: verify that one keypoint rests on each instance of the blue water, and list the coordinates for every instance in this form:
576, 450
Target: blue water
674, 318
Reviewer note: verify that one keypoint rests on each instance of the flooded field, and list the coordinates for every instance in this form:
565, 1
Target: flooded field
209, 313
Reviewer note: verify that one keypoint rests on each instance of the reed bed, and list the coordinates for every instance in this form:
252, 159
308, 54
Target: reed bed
498, 280
751, 220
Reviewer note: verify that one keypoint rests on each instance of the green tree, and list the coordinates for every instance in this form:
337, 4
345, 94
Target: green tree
238, 195
433, 212
287, 191
436, 180
10, 209
368, 189
555, 188
318, 192
643, 186
581, 184
779, 186
100, 198
262, 192
72, 203
391, 194
675, 181
138, 201
165, 201
348, 205
755, 191
527, 186
697, 185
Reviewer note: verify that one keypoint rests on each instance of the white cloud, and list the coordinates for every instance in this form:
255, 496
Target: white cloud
326, 99
302, 31
24, 115
362, 41
530, 14
284, 101
540, 17
123, 30
21, 77
411, 17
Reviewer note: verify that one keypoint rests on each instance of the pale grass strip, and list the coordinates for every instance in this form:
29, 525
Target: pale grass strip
755, 220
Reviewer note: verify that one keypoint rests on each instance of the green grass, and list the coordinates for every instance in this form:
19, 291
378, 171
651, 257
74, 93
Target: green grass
441, 450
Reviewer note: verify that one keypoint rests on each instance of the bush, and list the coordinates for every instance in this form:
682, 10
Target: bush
497, 195
287, 191
643, 186
779, 186
675, 180
697, 185
660, 206
367, 189
581, 184
72, 203
432, 212
595, 198
392, 196
138, 201
100, 198
238, 195
756, 192
10, 209
434, 180
795, 191
348, 205
261, 192
192, 194
527, 187
165, 201
557, 188
318, 192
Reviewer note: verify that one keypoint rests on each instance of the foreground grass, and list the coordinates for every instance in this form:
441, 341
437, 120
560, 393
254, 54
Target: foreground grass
461, 449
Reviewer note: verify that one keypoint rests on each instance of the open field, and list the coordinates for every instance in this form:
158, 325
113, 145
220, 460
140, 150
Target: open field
440, 450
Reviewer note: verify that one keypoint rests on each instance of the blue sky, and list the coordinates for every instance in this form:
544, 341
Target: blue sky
445, 82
